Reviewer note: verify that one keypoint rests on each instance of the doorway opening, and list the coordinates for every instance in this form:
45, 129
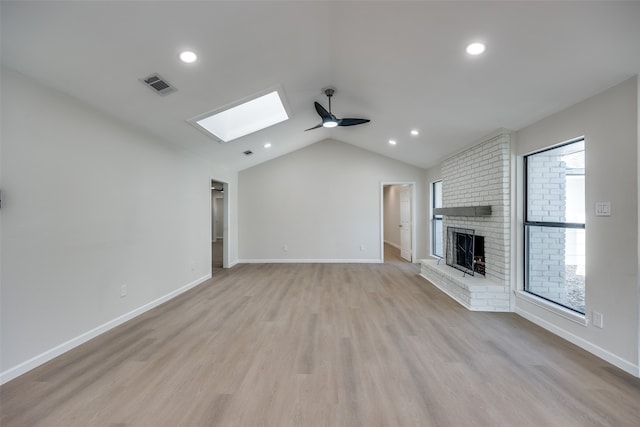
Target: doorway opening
219, 225
397, 215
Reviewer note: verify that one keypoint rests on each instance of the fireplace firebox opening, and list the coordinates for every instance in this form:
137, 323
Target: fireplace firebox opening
465, 250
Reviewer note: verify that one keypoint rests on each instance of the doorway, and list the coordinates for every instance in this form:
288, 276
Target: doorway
398, 221
219, 243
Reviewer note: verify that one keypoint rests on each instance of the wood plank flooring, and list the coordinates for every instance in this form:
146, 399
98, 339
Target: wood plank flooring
216, 254
323, 345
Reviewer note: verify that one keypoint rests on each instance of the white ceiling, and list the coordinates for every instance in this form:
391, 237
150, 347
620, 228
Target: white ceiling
400, 64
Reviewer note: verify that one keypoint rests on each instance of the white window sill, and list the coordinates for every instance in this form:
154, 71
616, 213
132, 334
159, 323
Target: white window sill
571, 315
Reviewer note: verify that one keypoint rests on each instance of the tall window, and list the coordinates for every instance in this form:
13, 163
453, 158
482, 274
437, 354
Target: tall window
554, 226
436, 220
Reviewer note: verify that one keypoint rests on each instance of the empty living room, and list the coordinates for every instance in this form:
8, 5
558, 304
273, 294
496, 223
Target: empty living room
319, 213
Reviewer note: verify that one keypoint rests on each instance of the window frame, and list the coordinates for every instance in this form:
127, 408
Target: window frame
435, 218
550, 224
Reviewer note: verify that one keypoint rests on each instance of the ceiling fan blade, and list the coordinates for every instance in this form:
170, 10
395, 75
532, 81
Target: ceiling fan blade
352, 122
315, 127
322, 112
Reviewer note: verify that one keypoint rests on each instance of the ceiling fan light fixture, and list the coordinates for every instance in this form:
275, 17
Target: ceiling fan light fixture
330, 123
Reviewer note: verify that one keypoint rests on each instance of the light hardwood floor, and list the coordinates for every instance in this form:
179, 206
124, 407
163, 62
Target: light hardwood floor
216, 254
323, 345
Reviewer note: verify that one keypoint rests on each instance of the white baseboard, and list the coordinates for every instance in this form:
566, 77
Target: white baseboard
56, 351
310, 261
615, 360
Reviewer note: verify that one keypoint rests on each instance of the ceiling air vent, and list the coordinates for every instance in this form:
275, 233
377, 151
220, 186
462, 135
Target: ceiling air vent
248, 153
158, 84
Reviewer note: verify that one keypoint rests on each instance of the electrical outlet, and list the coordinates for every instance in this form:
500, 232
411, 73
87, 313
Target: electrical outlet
361, 248
123, 290
598, 320
285, 248
193, 266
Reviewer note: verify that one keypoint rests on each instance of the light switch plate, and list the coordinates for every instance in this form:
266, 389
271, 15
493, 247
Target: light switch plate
603, 208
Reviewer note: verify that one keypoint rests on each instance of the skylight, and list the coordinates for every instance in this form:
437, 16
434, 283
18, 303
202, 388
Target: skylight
243, 118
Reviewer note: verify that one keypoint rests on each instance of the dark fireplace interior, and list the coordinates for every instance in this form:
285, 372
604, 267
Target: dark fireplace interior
478, 255
466, 251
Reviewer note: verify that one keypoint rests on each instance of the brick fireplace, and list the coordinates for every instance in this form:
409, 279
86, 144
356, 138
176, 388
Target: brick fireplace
479, 177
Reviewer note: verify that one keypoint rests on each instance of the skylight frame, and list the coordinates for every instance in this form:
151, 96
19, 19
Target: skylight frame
251, 103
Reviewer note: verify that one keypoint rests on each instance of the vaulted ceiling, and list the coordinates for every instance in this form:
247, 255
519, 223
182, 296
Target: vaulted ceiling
401, 64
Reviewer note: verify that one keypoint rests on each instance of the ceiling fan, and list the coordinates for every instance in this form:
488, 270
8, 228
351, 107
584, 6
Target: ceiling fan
331, 121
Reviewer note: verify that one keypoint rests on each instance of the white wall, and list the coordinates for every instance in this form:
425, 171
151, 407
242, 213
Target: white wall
609, 123
90, 204
392, 214
323, 202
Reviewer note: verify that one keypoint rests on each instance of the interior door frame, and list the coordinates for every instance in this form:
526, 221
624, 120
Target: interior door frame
227, 213
412, 184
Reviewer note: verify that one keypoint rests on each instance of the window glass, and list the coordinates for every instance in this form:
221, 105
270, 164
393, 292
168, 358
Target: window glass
555, 184
436, 221
555, 225
556, 263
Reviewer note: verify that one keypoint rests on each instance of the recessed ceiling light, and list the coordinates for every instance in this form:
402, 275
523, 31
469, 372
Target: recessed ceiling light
415, 132
267, 145
243, 118
188, 56
475, 48
393, 142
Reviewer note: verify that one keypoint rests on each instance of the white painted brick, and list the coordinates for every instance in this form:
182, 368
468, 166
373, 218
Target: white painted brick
481, 176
